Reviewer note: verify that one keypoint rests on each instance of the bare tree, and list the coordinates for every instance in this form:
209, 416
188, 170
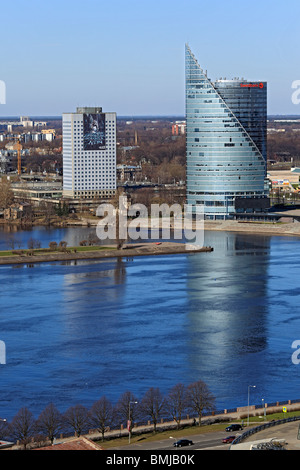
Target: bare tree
32, 244
77, 417
63, 246
6, 194
152, 404
126, 409
176, 403
11, 243
48, 211
92, 240
23, 426
50, 422
53, 246
4, 428
102, 415
200, 398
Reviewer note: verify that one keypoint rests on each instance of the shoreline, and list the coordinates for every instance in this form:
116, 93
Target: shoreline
128, 251
255, 228
283, 228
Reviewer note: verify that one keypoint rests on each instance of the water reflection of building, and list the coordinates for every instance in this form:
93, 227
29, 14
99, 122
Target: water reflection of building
227, 309
94, 282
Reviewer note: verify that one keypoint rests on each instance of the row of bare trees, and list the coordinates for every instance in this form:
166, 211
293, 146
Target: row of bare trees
6, 193
104, 415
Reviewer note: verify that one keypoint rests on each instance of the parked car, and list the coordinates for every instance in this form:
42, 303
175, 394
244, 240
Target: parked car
228, 439
183, 442
234, 427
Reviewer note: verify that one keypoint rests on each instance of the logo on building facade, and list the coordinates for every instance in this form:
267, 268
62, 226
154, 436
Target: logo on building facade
252, 85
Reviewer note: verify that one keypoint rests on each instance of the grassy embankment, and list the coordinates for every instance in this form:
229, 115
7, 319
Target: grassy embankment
45, 251
189, 431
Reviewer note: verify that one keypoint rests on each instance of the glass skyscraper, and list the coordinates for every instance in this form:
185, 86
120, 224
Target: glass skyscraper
226, 143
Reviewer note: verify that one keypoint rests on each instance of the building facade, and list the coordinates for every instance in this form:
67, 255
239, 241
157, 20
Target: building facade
226, 143
89, 154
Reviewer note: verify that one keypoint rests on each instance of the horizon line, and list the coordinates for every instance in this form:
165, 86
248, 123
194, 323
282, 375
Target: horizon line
140, 116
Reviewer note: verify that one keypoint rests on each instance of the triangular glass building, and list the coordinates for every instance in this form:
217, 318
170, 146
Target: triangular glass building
226, 135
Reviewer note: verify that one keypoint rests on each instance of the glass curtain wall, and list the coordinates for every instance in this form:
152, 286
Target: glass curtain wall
226, 155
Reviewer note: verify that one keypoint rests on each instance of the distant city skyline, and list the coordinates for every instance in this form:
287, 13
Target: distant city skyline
129, 56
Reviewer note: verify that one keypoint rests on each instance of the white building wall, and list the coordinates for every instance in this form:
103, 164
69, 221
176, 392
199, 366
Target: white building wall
93, 172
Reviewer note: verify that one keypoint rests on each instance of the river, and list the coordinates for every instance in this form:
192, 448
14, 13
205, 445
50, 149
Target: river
75, 331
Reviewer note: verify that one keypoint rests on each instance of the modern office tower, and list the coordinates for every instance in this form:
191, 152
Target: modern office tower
89, 154
226, 143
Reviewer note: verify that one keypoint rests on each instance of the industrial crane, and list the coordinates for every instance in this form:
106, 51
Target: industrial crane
18, 147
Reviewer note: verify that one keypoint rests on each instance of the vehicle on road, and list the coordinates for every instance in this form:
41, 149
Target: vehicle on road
182, 443
228, 439
234, 427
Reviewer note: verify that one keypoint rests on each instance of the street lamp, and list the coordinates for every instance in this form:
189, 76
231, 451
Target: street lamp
129, 420
249, 386
264, 407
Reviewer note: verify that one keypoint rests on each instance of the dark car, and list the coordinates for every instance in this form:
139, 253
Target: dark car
233, 427
183, 442
228, 439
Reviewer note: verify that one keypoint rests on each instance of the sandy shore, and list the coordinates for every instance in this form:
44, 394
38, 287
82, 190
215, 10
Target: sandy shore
258, 228
281, 228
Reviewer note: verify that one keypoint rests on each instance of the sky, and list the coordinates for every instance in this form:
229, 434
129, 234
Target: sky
128, 55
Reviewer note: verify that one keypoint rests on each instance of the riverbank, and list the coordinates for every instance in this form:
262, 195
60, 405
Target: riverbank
78, 253
286, 226
255, 228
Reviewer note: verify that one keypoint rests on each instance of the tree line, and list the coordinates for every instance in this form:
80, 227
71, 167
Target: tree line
104, 415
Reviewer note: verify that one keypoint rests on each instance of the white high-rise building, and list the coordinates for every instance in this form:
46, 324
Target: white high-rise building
89, 154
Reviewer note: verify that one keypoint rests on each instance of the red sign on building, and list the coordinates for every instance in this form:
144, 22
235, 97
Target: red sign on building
252, 85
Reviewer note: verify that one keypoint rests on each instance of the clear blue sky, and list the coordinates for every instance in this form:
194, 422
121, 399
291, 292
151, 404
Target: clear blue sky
128, 55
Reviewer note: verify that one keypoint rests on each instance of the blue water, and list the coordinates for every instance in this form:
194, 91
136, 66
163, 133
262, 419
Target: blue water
76, 331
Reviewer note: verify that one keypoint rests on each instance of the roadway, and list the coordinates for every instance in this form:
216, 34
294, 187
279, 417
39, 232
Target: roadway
213, 440
209, 441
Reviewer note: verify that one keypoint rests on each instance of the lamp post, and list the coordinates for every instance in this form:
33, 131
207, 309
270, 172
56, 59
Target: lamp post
249, 386
264, 407
129, 420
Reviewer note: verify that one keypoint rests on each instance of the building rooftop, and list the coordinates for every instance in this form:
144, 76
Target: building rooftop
89, 110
